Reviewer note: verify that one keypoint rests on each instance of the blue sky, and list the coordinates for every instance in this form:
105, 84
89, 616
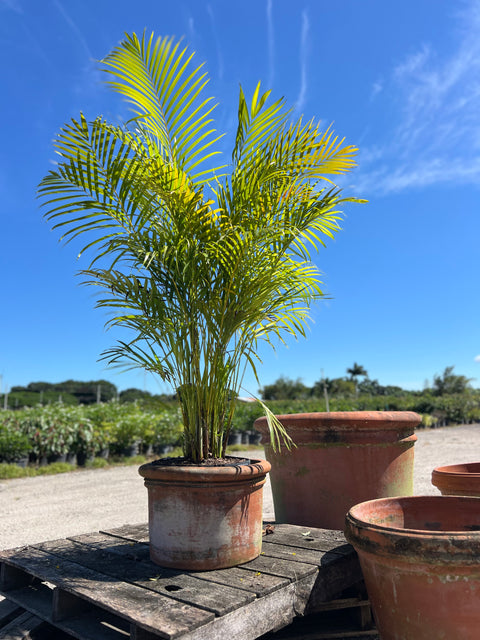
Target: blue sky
401, 80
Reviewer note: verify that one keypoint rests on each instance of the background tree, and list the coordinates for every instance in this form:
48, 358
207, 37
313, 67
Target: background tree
355, 371
449, 383
374, 388
132, 394
285, 389
85, 392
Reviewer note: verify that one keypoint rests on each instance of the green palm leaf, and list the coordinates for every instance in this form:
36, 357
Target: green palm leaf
198, 266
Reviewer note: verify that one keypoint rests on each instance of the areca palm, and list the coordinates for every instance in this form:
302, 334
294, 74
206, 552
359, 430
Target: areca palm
200, 262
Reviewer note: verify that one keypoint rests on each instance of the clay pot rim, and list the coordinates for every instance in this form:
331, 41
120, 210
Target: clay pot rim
255, 468
403, 532
364, 420
458, 470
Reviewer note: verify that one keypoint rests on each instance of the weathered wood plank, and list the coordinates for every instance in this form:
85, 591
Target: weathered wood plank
343, 603
21, 627
308, 538
235, 576
254, 581
13, 578
299, 554
288, 534
36, 598
332, 579
96, 625
67, 605
174, 584
135, 532
271, 612
280, 567
152, 611
113, 544
110, 574
8, 611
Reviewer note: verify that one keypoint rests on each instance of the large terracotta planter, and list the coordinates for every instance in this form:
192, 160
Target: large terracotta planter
458, 479
340, 459
205, 518
420, 558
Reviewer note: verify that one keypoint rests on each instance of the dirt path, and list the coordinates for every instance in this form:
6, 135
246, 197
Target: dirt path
49, 507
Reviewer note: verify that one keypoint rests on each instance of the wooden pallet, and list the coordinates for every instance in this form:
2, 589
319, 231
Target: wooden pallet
102, 586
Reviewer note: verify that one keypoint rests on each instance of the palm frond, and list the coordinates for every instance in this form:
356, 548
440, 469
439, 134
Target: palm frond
166, 92
196, 266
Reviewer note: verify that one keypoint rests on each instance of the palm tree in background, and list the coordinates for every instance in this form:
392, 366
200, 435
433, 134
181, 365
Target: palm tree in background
355, 371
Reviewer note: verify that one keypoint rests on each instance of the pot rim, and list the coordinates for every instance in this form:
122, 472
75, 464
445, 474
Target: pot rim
241, 471
458, 470
364, 420
396, 532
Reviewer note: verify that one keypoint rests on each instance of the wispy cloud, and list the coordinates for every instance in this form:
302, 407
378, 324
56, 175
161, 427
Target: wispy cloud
12, 5
477, 358
74, 28
302, 95
191, 28
377, 88
217, 43
436, 138
271, 45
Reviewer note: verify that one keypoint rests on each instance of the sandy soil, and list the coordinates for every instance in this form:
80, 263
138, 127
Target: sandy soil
50, 507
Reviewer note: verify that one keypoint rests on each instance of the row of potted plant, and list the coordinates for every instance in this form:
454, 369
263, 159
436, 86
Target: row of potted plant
436, 411
62, 432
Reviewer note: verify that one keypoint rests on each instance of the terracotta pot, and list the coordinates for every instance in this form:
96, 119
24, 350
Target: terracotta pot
420, 558
340, 459
458, 479
204, 518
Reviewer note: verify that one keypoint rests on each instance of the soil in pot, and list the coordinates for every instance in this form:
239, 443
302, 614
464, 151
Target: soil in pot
204, 517
458, 479
420, 558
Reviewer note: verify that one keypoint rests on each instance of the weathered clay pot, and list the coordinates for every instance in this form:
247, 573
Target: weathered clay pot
420, 558
340, 459
205, 518
458, 479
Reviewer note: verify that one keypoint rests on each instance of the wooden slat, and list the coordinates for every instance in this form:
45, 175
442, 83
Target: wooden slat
332, 579
234, 577
152, 611
21, 627
308, 538
259, 583
274, 611
290, 569
134, 532
36, 598
343, 603
108, 576
174, 584
114, 544
8, 611
299, 554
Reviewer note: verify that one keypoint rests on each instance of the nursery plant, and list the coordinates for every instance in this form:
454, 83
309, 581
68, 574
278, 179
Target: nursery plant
200, 260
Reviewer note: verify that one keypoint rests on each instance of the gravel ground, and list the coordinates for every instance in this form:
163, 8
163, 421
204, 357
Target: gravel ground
50, 507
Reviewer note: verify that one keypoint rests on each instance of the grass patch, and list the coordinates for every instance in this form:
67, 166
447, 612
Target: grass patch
244, 447
54, 468
97, 463
14, 471
8, 471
